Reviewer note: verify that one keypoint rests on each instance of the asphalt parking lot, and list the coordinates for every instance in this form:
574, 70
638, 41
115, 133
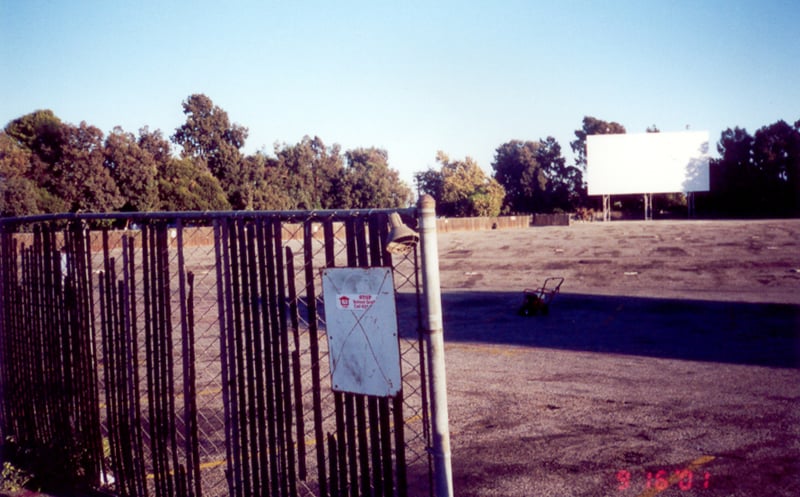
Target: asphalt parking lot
630, 391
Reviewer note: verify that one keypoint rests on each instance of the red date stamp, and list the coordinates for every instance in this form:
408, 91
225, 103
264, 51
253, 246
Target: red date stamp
685, 479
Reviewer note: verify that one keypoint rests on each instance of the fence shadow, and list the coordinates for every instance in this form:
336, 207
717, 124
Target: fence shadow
714, 331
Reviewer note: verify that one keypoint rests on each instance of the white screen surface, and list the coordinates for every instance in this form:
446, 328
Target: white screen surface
647, 163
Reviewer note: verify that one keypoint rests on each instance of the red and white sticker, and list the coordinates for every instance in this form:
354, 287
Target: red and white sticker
355, 302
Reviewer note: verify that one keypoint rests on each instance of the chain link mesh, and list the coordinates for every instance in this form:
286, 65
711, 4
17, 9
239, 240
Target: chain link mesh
156, 297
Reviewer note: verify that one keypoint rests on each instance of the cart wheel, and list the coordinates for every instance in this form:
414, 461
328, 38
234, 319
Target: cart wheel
531, 307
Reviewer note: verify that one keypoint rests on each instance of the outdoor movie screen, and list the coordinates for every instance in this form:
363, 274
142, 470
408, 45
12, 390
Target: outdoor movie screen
647, 163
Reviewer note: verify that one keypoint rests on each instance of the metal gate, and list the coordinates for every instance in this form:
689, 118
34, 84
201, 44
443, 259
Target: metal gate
186, 354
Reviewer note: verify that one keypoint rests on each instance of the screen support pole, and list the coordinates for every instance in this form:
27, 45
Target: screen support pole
648, 206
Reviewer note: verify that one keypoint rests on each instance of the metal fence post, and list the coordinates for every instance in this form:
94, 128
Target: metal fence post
434, 338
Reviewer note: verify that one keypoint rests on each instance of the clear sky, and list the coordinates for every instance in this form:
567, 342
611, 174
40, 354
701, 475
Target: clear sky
412, 77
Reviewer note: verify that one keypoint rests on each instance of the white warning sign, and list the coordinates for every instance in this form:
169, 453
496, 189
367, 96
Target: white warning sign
361, 317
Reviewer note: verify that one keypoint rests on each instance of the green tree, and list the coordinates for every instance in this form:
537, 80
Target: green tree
325, 169
564, 183
307, 171
517, 168
269, 180
187, 185
465, 189
66, 166
732, 175
18, 194
757, 175
134, 170
776, 155
184, 184
431, 182
536, 177
209, 135
369, 182
156, 145
81, 178
40, 133
590, 126
241, 190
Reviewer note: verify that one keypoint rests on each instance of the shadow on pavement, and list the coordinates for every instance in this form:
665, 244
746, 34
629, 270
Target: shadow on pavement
728, 332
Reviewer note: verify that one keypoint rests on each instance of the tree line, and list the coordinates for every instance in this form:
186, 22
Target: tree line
755, 176
49, 166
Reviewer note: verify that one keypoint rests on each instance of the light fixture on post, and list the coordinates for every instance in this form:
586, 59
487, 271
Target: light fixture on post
401, 238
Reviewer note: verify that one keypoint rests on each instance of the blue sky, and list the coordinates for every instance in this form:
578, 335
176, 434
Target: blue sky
411, 77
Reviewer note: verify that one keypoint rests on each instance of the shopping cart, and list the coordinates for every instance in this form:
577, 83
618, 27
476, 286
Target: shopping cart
537, 301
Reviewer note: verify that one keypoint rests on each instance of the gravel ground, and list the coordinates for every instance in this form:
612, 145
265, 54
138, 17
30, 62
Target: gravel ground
669, 364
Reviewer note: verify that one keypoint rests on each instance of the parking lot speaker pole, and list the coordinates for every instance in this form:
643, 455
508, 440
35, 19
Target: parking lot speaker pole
434, 339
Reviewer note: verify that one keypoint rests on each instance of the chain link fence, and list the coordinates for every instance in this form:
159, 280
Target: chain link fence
186, 354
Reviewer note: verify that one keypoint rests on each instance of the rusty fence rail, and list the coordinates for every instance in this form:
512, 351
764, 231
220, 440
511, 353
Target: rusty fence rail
187, 355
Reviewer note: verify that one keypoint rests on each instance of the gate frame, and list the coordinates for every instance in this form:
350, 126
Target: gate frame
434, 338
433, 330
